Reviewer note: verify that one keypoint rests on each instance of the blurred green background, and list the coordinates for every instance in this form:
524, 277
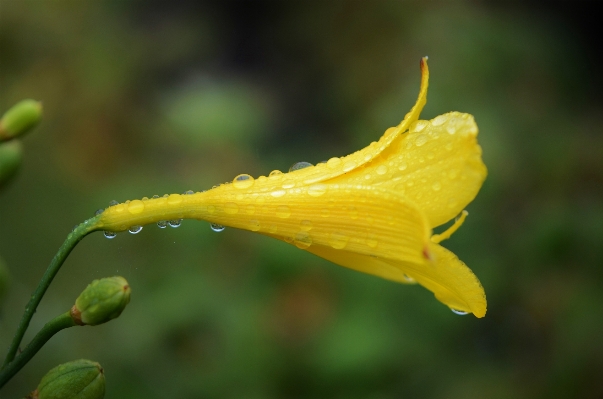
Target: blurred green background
154, 97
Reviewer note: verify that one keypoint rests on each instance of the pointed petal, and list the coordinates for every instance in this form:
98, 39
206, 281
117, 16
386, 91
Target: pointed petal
340, 166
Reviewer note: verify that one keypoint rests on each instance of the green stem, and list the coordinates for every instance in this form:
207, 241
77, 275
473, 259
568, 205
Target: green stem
52, 327
80, 231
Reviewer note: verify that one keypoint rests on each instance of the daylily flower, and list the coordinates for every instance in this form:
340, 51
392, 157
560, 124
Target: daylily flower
372, 211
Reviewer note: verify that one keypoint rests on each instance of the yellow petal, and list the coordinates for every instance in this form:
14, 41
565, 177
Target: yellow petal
437, 165
450, 280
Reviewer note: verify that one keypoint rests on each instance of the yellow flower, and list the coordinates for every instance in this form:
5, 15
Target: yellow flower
372, 211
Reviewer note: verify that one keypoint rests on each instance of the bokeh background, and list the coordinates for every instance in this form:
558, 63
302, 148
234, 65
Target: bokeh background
154, 97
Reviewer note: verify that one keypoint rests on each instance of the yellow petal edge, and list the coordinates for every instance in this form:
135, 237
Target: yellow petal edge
372, 211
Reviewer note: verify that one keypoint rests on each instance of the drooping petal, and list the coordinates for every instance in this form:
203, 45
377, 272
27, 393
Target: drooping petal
450, 280
437, 164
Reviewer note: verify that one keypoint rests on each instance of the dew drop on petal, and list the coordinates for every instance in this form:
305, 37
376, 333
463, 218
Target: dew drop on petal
439, 120
216, 227
135, 207
333, 162
243, 181
231, 208
98, 212
459, 312
338, 240
299, 165
175, 223
420, 140
276, 174
135, 229
316, 190
306, 225
254, 225
288, 183
174, 199
381, 170
110, 234
437, 186
283, 211
452, 202
155, 196
162, 224
302, 240
278, 193
409, 279
402, 166
113, 203
348, 166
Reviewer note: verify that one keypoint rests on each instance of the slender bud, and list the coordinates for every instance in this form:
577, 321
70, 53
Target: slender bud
10, 159
101, 301
79, 379
20, 118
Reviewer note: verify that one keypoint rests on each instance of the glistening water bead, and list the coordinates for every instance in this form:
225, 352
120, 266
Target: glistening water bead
98, 212
216, 227
459, 312
300, 165
162, 224
175, 223
135, 229
110, 234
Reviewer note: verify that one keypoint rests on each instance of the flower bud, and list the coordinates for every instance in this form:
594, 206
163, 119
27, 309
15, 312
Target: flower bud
10, 159
79, 379
20, 118
101, 301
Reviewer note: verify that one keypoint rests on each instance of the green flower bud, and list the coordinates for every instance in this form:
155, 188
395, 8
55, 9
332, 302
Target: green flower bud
10, 159
20, 118
80, 379
101, 301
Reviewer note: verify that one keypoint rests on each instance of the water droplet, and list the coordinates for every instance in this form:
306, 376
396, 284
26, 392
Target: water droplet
162, 224
98, 212
348, 166
439, 120
381, 170
175, 223
276, 174
321, 162
338, 240
155, 196
302, 240
402, 166
231, 208
283, 211
135, 229
166, 195
333, 162
451, 128
316, 190
254, 225
452, 202
367, 176
110, 234
216, 227
278, 193
306, 225
409, 279
145, 198
135, 207
437, 186
419, 126
420, 140
113, 203
288, 183
188, 192
243, 181
459, 312
299, 165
